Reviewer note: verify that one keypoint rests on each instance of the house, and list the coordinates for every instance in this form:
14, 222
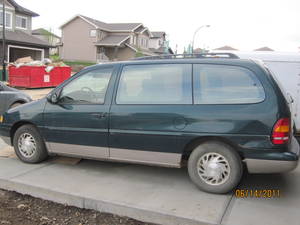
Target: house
158, 43
199, 50
19, 40
51, 38
226, 48
87, 39
264, 49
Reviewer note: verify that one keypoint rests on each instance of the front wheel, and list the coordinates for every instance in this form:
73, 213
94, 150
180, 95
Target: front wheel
215, 167
29, 145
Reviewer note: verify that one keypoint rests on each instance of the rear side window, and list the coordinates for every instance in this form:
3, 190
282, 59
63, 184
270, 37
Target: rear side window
155, 84
220, 84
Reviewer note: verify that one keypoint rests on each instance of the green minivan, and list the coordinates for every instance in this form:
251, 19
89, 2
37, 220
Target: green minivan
215, 114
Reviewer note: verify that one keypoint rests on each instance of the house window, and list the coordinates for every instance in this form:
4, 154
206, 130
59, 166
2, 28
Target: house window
8, 19
21, 22
93, 33
134, 40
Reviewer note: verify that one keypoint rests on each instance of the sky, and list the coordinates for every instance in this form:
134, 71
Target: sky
242, 24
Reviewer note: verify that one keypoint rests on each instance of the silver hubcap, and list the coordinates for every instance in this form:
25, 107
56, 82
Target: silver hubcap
213, 168
27, 145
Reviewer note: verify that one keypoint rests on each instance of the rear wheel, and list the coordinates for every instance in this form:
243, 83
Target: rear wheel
215, 167
29, 145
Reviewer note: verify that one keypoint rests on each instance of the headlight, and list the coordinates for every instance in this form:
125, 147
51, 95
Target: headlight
1, 119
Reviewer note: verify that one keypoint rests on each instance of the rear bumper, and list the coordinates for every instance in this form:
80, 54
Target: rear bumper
269, 165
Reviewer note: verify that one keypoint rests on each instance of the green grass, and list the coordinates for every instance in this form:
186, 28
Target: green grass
55, 58
79, 63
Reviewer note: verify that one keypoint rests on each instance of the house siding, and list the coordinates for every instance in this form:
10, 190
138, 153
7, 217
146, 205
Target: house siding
77, 43
154, 43
125, 54
145, 37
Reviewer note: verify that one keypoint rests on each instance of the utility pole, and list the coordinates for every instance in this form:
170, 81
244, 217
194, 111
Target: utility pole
3, 43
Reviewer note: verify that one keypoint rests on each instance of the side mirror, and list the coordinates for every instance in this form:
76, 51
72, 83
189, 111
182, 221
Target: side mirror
54, 97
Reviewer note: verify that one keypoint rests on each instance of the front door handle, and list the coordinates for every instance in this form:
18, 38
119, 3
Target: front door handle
99, 115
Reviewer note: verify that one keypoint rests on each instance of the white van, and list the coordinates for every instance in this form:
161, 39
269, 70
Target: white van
286, 68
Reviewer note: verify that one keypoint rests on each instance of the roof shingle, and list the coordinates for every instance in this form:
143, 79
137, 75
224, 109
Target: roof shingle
264, 49
21, 9
226, 48
113, 40
158, 34
42, 31
23, 38
112, 26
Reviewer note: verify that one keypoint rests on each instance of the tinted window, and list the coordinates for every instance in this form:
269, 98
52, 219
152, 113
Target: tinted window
155, 84
216, 84
88, 88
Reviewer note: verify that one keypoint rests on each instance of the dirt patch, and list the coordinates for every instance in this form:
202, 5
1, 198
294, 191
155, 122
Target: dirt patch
17, 209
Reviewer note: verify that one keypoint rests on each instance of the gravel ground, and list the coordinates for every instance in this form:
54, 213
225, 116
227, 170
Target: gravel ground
17, 209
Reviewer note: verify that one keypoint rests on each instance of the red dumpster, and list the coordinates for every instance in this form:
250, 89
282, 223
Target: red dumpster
37, 76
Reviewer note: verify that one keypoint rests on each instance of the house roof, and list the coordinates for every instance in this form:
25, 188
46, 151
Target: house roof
161, 50
21, 9
113, 40
158, 34
21, 37
42, 31
225, 47
264, 49
110, 27
144, 51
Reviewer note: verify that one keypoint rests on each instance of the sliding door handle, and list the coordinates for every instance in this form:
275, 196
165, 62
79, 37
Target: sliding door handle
99, 115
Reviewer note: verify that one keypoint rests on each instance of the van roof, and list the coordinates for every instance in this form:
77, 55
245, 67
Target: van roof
224, 61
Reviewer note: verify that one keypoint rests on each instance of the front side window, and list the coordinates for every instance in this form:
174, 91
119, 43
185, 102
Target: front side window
155, 84
8, 19
89, 88
21, 22
220, 84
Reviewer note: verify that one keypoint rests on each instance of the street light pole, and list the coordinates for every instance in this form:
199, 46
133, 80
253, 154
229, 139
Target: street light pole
3, 44
196, 31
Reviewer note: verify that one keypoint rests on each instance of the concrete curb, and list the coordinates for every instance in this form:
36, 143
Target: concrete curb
146, 215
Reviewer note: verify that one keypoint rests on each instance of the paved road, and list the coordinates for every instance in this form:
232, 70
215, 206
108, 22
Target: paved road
158, 195
2, 144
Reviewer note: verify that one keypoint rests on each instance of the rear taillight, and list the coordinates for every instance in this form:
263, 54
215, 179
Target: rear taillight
281, 131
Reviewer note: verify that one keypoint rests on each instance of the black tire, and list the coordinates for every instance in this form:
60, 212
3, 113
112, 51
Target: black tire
230, 158
15, 105
40, 153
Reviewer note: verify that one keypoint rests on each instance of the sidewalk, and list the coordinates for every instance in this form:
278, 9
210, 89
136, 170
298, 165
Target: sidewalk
152, 194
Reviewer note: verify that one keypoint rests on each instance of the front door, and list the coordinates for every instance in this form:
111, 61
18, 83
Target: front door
78, 123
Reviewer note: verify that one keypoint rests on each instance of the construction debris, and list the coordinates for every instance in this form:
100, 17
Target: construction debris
28, 61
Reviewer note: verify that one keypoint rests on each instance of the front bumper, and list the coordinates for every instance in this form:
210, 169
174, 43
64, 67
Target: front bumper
270, 165
5, 133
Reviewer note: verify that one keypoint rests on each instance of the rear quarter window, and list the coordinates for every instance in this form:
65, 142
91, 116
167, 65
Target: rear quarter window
223, 84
